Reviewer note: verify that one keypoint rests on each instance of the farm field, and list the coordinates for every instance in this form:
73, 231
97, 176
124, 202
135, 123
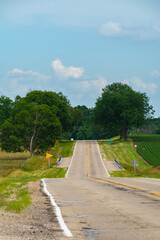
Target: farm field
125, 153
148, 146
10, 161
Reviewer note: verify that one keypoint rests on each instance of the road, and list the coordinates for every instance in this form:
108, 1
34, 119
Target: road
100, 210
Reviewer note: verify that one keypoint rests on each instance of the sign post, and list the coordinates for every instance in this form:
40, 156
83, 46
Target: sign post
135, 162
135, 147
48, 157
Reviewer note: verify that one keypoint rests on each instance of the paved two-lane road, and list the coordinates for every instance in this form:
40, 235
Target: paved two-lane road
97, 210
87, 161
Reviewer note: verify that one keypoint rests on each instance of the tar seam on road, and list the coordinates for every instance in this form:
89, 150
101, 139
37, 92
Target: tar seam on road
157, 194
71, 160
88, 174
62, 224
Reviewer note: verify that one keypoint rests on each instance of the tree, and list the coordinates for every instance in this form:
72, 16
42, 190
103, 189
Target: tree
37, 120
58, 102
6, 105
120, 108
30, 127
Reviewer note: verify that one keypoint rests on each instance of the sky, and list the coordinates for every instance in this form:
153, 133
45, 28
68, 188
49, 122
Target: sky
77, 47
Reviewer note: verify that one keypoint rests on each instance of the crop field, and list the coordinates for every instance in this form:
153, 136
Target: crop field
148, 146
12, 161
125, 153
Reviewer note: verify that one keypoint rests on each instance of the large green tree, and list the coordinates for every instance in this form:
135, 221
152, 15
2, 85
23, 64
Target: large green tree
36, 122
121, 107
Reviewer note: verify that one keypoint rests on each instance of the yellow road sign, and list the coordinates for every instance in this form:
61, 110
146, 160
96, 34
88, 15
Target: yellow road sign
48, 155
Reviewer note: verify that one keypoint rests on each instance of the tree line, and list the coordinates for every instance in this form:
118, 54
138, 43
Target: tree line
35, 121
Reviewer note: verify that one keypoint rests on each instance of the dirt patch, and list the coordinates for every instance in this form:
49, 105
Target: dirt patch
38, 222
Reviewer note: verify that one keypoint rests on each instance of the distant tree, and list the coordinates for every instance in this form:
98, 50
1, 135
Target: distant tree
17, 98
87, 128
6, 105
121, 107
152, 126
75, 118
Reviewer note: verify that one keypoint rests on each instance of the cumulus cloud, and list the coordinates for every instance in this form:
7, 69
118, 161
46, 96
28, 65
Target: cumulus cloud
66, 72
91, 86
155, 73
118, 29
139, 85
99, 83
111, 29
20, 81
28, 74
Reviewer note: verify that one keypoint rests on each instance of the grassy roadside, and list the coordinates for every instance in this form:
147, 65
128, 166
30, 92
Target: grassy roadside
124, 154
17, 170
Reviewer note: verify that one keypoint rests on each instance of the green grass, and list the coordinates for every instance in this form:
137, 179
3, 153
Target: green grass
13, 195
124, 153
22, 200
64, 148
14, 177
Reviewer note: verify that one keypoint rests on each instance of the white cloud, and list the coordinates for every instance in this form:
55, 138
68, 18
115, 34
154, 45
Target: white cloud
111, 29
66, 72
20, 81
16, 70
139, 85
155, 73
24, 74
92, 86
99, 83
118, 29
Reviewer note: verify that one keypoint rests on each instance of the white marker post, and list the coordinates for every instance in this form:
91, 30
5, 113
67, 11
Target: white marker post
135, 162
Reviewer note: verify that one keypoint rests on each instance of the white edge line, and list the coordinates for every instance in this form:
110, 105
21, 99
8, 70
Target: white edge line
71, 160
62, 224
102, 160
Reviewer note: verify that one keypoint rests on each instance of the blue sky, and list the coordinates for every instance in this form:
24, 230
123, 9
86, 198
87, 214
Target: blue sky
79, 46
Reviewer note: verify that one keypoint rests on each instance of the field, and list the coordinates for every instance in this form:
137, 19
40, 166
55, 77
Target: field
125, 153
17, 169
10, 161
148, 146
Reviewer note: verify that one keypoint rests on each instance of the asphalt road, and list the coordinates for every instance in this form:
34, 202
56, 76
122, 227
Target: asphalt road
100, 210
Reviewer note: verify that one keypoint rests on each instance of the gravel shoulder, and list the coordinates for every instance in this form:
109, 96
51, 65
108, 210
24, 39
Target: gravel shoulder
37, 222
